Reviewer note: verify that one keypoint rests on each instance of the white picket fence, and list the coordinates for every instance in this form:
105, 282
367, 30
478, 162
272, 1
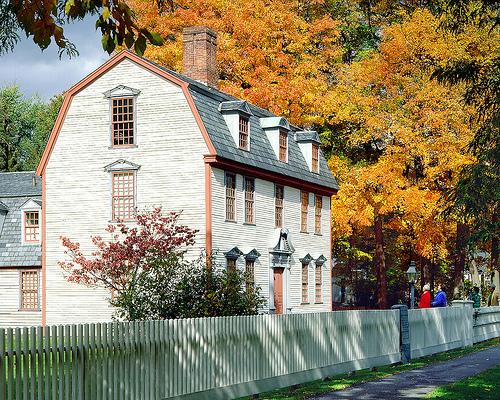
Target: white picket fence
193, 358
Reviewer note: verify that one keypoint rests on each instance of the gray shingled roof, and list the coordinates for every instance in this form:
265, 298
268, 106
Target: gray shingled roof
261, 154
16, 189
19, 184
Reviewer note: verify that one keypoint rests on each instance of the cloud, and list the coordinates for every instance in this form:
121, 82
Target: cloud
43, 73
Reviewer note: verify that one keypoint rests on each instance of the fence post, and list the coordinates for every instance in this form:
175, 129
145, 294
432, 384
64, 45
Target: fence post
467, 318
404, 332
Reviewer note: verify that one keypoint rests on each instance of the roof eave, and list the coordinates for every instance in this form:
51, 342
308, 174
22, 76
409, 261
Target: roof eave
237, 167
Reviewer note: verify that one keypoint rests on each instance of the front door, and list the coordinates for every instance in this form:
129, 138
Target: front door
278, 290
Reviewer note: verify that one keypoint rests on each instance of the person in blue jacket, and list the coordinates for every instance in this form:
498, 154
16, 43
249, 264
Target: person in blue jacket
440, 299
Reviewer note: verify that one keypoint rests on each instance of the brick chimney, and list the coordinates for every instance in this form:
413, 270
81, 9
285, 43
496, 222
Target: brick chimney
200, 45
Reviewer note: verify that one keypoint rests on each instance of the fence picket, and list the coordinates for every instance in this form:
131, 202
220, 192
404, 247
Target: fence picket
10, 365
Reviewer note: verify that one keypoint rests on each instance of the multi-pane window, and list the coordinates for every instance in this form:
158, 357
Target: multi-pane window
231, 265
304, 205
243, 133
31, 227
318, 283
315, 157
123, 196
305, 283
250, 273
29, 290
122, 126
249, 200
283, 145
317, 214
230, 197
278, 205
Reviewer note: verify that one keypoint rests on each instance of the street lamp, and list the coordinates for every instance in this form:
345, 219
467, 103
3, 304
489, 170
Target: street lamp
411, 273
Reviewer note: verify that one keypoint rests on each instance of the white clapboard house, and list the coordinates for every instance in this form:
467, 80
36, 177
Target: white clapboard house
133, 135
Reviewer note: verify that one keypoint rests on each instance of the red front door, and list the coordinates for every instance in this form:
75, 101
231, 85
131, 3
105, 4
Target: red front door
278, 290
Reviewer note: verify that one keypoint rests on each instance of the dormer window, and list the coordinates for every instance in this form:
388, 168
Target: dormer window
243, 132
315, 157
283, 145
31, 222
123, 116
237, 116
309, 142
277, 129
31, 227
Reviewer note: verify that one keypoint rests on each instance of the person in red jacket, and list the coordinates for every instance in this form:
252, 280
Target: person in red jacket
425, 299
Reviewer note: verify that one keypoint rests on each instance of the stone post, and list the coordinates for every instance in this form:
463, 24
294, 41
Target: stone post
467, 318
404, 332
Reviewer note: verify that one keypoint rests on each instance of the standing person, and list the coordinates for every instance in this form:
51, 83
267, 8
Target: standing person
425, 299
493, 297
440, 299
476, 297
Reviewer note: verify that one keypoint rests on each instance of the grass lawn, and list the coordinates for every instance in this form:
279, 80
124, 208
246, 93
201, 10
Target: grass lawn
339, 382
483, 386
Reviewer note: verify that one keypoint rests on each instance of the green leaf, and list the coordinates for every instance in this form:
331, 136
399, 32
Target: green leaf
104, 41
140, 45
156, 39
129, 40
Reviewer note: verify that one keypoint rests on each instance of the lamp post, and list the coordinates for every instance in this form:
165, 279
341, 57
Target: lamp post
411, 273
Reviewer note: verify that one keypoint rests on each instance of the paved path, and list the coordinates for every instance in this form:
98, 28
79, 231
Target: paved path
419, 382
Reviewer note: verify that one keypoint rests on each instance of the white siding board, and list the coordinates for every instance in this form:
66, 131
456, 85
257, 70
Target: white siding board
78, 191
10, 315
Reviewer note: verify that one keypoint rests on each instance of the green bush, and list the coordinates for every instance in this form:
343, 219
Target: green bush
174, 288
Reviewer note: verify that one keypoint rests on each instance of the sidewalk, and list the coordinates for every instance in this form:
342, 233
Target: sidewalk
418, 383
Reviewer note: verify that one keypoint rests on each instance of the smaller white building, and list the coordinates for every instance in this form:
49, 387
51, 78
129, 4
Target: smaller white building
20, 249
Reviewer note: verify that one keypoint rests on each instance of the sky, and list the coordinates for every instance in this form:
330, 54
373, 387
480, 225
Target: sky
43, 73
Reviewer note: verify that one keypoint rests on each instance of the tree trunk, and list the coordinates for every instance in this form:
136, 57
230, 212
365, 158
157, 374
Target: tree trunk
494, 247
461, 254
380, 262
425, 271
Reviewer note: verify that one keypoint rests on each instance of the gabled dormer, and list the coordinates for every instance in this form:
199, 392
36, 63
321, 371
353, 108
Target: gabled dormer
309, 142
237, 116
277, 130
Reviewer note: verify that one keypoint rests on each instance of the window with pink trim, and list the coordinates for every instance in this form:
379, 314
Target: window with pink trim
29, 290
123, 196
31, 227
122, 121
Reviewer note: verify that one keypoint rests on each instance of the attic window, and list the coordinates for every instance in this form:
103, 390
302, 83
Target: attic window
122, 126
237, 115
31, 227
123, 115
283, 145
243, 132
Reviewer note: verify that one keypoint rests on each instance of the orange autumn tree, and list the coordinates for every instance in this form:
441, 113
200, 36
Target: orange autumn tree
406, 136
269, 53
